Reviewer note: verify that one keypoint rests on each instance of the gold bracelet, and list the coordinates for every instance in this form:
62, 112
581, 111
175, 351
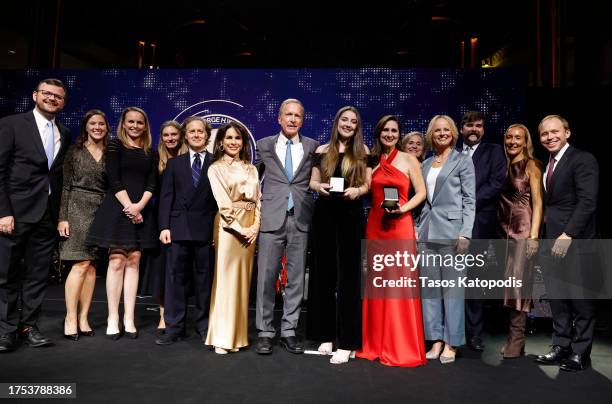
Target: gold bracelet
532, 238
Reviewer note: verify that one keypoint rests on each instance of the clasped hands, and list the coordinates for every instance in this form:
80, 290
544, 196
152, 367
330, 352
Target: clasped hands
132, 211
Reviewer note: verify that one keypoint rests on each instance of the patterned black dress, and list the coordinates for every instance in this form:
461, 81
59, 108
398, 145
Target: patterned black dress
84, 188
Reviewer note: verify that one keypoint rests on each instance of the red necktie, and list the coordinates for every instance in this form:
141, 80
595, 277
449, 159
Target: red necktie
551, 167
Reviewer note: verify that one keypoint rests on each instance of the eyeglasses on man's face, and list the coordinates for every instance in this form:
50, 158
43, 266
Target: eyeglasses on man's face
49, 94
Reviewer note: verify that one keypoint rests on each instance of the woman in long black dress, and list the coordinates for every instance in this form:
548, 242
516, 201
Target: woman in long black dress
171, 144
82, 193
125, 222
334, 286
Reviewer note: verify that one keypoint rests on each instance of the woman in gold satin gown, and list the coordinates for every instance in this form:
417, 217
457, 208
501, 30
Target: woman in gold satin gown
235, 184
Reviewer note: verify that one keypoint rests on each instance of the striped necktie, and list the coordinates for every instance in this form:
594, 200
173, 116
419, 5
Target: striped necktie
196, 170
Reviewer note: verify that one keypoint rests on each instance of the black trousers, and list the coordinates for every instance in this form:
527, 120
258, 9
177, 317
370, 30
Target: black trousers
573, 324
334, 283
25, 257
568, 286
188, 267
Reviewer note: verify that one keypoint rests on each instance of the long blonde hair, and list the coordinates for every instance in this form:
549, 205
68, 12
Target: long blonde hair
162, 150
528, 149
354, 163
124, 138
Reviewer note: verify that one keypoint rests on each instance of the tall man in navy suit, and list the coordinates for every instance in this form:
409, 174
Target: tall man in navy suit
490, 167
571, 182
187, 211
32, 149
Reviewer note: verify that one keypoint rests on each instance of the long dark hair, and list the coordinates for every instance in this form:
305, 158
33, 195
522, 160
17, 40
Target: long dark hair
83, 136
245, 151
354, 162
377, 147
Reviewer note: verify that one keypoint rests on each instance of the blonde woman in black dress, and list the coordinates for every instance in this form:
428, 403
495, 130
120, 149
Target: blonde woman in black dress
125, 223
83, 190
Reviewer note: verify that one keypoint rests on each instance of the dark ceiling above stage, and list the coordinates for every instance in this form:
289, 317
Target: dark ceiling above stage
421, 33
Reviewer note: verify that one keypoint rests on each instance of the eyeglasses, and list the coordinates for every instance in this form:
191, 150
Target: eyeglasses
49, 94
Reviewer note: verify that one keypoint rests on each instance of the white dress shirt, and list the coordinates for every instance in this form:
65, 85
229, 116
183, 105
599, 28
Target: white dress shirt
192, 157
432, 176
297, 150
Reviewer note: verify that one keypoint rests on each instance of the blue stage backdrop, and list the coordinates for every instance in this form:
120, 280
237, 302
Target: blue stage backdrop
252, 96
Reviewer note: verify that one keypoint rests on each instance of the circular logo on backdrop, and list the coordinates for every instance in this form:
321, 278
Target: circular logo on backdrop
218, 113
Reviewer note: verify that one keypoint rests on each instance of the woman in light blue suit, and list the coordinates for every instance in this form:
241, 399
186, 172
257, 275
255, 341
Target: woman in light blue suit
445, 225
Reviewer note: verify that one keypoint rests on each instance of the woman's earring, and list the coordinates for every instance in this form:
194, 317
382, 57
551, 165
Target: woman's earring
221, 147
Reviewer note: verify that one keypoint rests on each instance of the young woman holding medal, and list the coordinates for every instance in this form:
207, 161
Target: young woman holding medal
341, 177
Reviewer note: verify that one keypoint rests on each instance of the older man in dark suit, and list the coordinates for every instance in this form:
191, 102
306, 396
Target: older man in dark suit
490, 167
571, 182
32, 149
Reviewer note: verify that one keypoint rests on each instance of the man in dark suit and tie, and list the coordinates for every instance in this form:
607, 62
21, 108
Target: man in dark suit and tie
32, 149
286, 214
571, 182
187, 211
490, 167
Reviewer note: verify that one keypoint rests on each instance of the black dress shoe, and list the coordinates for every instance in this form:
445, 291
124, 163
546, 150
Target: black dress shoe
575, 363
167, 339
8, 342
291, 344
159, 332
89, 333
131, 335
71, 337
114, 336
476, 344
554, 357
34, 338
264, 346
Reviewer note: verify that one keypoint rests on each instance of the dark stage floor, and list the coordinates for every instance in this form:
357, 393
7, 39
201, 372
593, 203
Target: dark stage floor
137, 371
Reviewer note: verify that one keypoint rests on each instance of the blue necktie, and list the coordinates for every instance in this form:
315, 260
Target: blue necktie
196, 169
49, 143
289, 171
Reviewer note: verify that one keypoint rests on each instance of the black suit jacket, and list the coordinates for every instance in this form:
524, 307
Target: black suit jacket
24, 173
571, 201
491, 168
188, 212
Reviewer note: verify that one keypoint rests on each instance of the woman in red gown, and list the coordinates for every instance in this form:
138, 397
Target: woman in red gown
393, 326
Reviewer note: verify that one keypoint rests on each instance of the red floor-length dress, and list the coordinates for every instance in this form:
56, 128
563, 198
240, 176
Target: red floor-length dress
392, 327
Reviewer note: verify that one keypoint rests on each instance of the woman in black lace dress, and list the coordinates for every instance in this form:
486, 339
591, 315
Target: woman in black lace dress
125, 223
